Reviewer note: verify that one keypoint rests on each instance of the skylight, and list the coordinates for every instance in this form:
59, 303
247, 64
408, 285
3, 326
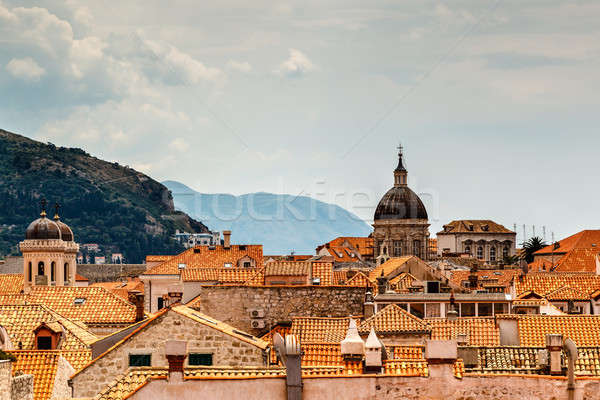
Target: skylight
79, 301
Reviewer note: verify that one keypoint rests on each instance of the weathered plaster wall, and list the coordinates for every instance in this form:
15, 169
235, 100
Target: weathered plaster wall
5, 379
64, 370
22, 387
376, 388
226, 350
232, 304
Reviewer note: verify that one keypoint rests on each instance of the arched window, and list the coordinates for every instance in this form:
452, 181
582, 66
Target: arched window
480, 252
417, 248
492, 253
66, 272
397, 248
505, 252
53, 271
468, 249
41, 268
30, 272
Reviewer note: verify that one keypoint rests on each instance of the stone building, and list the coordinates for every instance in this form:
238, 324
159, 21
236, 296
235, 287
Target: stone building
484, 239
49, 252
210, 342
400, 222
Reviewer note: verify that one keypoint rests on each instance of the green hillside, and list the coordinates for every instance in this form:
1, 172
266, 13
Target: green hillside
105, 203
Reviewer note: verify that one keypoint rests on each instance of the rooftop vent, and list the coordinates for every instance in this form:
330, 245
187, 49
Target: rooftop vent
79, 301
197, 251
242, 247
181, 266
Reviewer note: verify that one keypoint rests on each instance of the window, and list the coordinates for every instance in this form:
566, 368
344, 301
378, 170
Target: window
505, 252
44, 343
397, 248
500, 308
484, 309
227, 265
480, 252
53, 271
468, 249
403, 306
140, 360
247, 264
492, 253
66, 272
200, 359
417, 248
29, 272
160, 303
418, 310
432, 310
41, 268
467, 309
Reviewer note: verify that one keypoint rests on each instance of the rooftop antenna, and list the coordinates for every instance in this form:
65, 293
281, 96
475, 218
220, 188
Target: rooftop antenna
544, 230
524, 233
533, 230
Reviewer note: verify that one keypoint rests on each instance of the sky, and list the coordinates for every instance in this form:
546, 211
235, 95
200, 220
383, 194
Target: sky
495, 102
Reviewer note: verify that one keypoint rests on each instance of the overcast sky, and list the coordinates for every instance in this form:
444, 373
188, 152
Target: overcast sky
496, 102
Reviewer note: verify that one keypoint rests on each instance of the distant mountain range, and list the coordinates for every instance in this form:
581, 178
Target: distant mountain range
106, 203
281, 223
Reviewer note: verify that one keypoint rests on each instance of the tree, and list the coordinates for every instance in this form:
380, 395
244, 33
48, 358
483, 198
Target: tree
510, 260
531, 246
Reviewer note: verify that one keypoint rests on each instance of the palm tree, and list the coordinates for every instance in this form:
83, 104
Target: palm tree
531, 246
510, 260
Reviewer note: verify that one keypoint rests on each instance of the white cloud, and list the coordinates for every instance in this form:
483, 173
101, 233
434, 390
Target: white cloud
242, 66
26, 69
179, 144
298, 64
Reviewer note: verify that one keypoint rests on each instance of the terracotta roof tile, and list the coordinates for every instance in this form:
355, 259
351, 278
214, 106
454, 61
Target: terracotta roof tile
323, 271
98, 307
406, 368
320, 330
209, 257
359, 279
121, 288
480, 331
340, 277
583, 239
344, 248
566, 293
544, 283
584, 330
401, 283
474, 226
42, 364
287, 268
496, 277
21, 320
11, 284
576, 253
388, 267
393, 319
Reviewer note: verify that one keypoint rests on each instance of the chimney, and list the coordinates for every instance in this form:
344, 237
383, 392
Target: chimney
352, 347
175, 294
441, 356
227, 240
452, 314
293, 369
176, 352
373, 357
382, 284
473, 278
554, 345
369, 306
137, 298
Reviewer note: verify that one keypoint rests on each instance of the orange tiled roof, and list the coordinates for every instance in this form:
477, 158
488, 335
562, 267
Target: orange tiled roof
157, 258
541, 264
360, 280
404, 352
209, 257
11, 284
567, 293
474, 226
544, 283
42, 364
287, 268
584, 330
320, 330
578, 260
583, 239
121, 288
406, 368
233, 275
344, 248
339, 277
578, 251
496, 277
393, 319
323, 271
388, 267
99, 306
321, 354
21, 320
480, 331
13, 299
402, 282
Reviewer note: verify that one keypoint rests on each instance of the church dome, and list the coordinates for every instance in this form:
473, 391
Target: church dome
43, 228
400, 203
65, 232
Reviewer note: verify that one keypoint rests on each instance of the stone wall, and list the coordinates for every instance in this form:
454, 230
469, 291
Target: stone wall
226, 350
109, 272
232, 304
372, 387
64, 370
22, 388
5, 378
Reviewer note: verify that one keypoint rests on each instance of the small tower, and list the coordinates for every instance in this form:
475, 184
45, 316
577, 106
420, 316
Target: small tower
400, 173
352, 347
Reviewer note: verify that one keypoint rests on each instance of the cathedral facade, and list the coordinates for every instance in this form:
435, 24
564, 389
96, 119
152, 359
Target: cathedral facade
401, 224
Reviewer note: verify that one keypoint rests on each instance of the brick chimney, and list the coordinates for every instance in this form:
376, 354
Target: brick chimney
174, 294
554, 345
227, 239
137, 298
176, 352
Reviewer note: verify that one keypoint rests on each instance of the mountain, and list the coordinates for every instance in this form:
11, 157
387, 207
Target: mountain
106, 203
281, 223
